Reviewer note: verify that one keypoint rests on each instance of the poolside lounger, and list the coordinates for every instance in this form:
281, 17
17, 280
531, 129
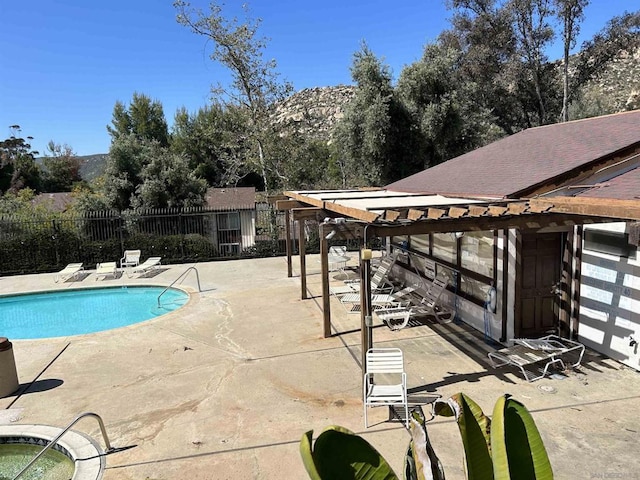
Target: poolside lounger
105, 269
149, 264
70, 271
131, 258
397, 317
379, 282
545, 351
378, 301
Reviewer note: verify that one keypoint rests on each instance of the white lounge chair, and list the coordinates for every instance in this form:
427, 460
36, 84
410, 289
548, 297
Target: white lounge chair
397, 317
379, 282
149, 264
106, 269
70, 271
547, 351
383, 301
385, 382
338, 258
131, 258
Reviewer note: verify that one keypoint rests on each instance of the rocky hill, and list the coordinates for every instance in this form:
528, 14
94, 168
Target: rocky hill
315, 111
93, 166
617, 88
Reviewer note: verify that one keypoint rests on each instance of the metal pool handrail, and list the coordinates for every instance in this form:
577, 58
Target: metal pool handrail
55, 440
179, 277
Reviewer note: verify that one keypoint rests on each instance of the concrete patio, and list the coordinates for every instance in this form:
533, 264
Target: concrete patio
225, 387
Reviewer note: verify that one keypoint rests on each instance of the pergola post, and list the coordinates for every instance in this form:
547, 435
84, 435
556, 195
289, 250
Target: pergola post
324, 269
365, 303
303, 260
287, 229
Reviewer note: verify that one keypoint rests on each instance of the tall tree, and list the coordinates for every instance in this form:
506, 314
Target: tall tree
18, 168
143, 118
61, 168
255, 84
168, 182
212, 139
374, 140
482, 31
570, 13
533, 34
127, 156
442, 104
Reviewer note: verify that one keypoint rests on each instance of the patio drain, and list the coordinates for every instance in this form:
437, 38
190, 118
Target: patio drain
547, 389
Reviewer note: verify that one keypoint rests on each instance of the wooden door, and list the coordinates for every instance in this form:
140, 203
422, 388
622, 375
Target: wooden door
540, 271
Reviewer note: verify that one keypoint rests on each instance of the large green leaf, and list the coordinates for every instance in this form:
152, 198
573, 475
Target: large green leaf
474, 428
421, 461
518, 451
340, 454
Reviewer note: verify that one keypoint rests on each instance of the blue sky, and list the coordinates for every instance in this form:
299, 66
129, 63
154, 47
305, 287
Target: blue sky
66, 63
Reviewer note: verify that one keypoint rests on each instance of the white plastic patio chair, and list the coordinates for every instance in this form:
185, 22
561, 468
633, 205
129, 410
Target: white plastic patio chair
385, 381
131, 258
70, 271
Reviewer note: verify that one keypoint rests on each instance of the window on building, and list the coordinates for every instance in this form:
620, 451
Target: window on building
476, 252
420, 243
445, 248
229, 235
471, 274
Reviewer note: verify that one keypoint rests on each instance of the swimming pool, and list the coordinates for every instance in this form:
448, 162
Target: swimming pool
76, 312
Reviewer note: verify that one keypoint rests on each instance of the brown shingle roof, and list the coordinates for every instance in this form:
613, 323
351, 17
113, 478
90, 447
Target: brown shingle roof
622, 187
233, 198
527, 158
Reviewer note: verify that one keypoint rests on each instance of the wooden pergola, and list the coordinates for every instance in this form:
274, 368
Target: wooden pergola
379, 213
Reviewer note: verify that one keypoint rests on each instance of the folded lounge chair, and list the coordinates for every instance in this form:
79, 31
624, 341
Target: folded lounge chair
397, 317
149, 264
106, 269
70, 271
379, 301
131, 258
379, 282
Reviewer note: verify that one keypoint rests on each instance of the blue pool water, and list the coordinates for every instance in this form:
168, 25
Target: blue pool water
75, 312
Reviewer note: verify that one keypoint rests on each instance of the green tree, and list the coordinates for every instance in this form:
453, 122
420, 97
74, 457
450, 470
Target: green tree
18, 168
483, 32
533, 35
213, 141
61, 168
255, 85
143, 118
440, 102
570, 14
142, 173
375, 139
503, 45
168, 182
127, 156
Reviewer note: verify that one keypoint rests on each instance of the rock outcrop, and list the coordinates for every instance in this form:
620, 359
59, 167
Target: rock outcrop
315, 111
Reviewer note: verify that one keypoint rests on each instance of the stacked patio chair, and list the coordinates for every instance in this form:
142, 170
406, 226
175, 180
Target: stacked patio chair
379, 282
396, 317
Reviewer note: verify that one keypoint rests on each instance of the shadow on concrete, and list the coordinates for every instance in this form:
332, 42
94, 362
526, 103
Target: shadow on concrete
37, 386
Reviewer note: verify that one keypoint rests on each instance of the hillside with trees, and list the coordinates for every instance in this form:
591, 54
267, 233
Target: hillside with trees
486, 76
